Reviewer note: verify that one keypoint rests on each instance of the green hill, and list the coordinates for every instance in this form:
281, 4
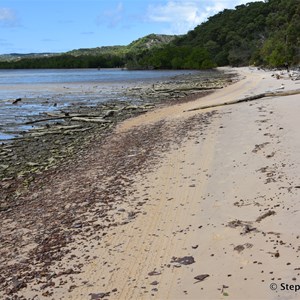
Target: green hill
150, 41
256, 33
259, 33
104, 57
18, 56
145, 43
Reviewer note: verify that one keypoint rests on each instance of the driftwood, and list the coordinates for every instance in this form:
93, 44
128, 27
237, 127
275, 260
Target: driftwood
250, 98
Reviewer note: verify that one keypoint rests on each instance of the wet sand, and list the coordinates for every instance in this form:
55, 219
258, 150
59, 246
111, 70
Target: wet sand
176, 204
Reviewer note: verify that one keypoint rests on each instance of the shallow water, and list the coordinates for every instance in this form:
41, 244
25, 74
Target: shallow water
44, 91
82, 75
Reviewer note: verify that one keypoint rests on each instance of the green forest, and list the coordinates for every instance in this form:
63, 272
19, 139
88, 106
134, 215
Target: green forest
258, 33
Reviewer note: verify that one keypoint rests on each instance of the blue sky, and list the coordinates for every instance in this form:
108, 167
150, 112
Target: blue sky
61, 25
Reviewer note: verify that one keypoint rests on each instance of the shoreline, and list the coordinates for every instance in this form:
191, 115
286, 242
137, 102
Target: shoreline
49, 142
35, 100
107, 225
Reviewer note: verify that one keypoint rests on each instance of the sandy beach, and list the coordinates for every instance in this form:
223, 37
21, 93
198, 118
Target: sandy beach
177, 203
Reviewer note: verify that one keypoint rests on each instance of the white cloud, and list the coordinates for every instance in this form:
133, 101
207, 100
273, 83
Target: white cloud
183, 15
8, 18
179, 15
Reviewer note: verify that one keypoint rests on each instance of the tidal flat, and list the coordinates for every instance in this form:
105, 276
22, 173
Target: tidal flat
66, 125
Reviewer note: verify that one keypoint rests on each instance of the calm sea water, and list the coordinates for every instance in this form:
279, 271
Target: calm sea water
52, 90
81, 75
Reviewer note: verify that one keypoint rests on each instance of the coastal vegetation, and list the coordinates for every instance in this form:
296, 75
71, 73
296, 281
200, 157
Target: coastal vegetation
258, 33
100, 57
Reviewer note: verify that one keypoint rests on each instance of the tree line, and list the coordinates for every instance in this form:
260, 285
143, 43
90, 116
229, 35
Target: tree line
66, 62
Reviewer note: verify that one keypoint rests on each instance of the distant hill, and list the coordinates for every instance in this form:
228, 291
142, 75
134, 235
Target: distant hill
151, 41
99, 57
18, 56
145, 43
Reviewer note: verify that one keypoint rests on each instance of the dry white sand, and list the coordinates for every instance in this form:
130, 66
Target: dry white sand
203, 206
